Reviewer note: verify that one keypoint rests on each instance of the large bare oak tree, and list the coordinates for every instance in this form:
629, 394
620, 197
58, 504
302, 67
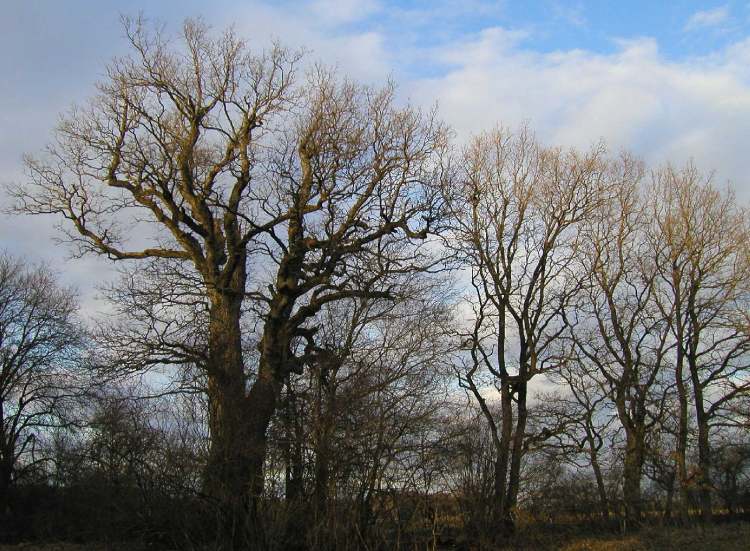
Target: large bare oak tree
280, 196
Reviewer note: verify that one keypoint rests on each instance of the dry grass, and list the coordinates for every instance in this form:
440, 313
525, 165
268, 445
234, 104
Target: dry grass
45, 547
727, 537
68, 547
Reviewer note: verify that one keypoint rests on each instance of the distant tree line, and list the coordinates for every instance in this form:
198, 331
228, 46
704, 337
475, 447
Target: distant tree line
336, 328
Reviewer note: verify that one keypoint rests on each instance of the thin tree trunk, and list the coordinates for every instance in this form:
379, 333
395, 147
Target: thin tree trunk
670, 497
322, 442
294, 441
704, 468
632, 487
682, 400
601, 488
6, 472
681, 441
517, 453
322, 470
297, 517
500, 511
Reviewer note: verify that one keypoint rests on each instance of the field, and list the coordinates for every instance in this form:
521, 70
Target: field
726, 537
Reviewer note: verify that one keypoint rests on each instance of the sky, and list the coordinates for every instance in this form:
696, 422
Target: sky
669, 81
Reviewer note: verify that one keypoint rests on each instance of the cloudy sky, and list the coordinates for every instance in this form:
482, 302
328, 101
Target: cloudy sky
667, 80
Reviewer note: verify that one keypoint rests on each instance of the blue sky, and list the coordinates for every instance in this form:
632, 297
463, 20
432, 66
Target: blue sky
682, 28
668, 80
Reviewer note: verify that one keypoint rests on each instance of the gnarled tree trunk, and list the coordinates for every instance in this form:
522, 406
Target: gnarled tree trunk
228, 469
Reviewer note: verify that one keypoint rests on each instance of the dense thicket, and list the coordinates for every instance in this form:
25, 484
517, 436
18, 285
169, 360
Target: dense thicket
336, 329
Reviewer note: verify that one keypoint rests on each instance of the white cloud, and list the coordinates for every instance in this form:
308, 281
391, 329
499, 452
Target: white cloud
633, 99
708, 18
573, 14
332, 12
362, 54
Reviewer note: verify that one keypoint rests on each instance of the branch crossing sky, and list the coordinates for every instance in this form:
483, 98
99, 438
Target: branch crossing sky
668, 80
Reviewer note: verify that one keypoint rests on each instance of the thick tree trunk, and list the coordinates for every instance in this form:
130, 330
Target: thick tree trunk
227, 471
262, 400
238, 421
261, 403
631, 490
633, 467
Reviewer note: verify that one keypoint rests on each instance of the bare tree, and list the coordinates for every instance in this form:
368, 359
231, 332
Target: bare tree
469, 471
730, 463
660, 466
284, 197
352, 425
40, 347
577, 421
616, 325
701, 253
515, 222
